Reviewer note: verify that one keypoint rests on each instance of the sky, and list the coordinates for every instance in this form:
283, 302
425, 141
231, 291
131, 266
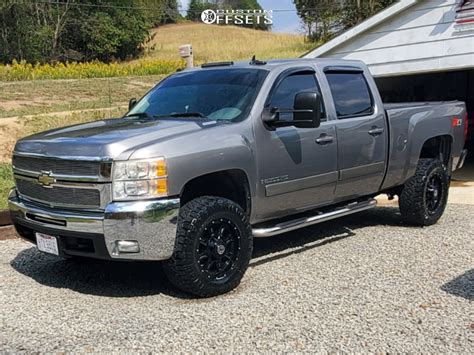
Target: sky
283, 21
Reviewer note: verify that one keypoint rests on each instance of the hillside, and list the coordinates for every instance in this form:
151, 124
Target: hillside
36, 105
214, 43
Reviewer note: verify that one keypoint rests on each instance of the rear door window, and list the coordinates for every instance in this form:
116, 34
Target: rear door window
351, 94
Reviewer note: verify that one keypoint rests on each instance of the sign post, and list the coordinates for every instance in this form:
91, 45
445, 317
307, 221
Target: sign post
186, 52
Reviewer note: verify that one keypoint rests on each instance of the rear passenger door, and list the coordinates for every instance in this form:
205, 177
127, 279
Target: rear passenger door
361, 133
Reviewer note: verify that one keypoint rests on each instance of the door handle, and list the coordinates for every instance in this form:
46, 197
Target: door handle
324, 139
376, 131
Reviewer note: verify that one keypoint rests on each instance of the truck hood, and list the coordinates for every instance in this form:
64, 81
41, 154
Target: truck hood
107, 139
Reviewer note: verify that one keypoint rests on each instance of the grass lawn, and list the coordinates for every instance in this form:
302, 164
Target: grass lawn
43, 96
216, 43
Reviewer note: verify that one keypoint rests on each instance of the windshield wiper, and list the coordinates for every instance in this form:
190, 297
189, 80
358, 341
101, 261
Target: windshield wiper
174, 114
140, 115
184, 114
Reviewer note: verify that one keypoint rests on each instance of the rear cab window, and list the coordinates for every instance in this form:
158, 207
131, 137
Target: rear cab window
351, 94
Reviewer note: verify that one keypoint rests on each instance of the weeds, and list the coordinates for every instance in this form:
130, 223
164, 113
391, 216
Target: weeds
73, 70
6, 183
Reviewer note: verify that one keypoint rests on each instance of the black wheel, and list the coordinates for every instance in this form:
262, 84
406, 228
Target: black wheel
213, 247
424, 196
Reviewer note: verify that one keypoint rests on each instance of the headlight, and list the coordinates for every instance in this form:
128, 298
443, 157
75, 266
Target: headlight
139, 179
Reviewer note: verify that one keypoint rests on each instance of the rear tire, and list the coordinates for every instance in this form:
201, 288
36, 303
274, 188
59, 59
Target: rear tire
213, 247
424, 196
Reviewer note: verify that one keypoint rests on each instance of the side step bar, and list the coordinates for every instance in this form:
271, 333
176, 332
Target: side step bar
301, 222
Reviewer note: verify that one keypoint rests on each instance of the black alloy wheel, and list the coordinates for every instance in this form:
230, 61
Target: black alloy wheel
424, 196
213, 247
218, 249
433, 193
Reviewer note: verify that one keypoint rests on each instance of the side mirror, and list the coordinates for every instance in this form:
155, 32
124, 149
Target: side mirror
132, 103
270, 116
307, 110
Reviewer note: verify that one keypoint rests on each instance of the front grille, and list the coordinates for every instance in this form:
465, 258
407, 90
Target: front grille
59, 195
59, 166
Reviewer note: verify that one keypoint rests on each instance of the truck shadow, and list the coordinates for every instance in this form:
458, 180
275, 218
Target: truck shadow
461, 286
301, 240
136, 279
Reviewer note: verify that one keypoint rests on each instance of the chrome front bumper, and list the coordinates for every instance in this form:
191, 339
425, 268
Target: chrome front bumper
150, 223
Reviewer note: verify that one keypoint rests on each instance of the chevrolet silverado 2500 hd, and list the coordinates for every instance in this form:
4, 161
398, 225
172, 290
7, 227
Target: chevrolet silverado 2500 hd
214, 156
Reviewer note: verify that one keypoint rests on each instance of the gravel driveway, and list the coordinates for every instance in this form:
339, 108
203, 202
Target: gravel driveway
362, 283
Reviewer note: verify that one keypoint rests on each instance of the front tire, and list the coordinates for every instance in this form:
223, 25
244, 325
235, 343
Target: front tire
424, 196
213, 247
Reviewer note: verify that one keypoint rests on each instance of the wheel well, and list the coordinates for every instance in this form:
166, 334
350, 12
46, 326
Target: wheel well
437, 147
231, 184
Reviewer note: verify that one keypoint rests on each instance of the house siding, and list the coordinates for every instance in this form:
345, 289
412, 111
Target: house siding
423, 38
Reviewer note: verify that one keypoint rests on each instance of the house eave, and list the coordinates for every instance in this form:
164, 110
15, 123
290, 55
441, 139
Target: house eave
362, 27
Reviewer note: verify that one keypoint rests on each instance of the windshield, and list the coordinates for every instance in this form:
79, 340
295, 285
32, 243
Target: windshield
219, 94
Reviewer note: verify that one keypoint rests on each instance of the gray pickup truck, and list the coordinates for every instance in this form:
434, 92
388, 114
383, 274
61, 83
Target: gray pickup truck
215, 156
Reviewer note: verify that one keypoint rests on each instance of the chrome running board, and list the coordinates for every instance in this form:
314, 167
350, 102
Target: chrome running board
301, 222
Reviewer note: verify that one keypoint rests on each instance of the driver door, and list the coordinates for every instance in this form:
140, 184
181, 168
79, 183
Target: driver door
297, 167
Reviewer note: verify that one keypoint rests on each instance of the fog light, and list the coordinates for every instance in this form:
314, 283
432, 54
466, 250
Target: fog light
126, 246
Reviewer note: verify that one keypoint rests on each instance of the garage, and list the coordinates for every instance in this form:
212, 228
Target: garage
418, 50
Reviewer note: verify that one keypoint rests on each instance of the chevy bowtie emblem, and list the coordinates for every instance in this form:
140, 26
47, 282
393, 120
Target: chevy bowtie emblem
45, 179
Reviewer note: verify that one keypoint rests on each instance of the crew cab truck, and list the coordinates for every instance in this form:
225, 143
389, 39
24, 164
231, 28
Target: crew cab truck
215, 156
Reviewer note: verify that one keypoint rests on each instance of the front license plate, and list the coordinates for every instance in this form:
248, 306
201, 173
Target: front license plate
47, 243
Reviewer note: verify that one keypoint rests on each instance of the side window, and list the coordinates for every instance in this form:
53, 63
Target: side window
284, 95
351, 94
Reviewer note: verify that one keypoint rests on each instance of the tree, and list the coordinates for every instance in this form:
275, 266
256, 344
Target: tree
247, 5
323, 19
42, 31
358, 10
319, 17
31, 30
197, 6
160, 12
109, 33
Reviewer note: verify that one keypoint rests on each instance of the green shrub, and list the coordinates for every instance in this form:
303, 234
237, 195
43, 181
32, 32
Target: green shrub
6, 183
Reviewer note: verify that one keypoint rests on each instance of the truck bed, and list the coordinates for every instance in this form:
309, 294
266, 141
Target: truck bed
411, 124
404, 105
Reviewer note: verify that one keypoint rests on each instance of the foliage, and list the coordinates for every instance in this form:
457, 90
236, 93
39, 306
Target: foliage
357, 11
323, 19
196, 7
160, 12
6, 183
46, 31
75, 70
227, 43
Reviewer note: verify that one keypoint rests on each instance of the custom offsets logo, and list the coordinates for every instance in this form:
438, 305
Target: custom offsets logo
237, 17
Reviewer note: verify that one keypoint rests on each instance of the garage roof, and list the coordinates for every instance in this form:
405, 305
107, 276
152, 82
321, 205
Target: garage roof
410, 37
371, 22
